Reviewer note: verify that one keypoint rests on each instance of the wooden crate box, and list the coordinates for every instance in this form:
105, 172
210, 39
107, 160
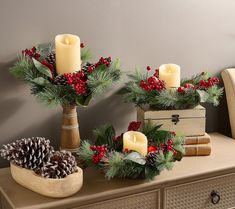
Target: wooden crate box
190, 122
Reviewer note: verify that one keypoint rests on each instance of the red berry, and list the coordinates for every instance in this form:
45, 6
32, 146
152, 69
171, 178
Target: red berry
148, 68
82, 45
152, 149
180, 89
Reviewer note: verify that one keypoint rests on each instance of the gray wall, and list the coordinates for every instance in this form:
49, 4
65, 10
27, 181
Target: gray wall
196, 34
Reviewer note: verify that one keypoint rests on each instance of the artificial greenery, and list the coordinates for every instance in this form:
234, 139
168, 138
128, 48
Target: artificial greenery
39, 71
107, 153
143, 89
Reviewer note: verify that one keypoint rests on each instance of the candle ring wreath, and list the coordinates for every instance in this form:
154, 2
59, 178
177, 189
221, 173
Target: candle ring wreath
37, 66
146, 89
109, 155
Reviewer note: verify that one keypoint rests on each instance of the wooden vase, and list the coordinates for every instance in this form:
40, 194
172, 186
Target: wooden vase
70, 137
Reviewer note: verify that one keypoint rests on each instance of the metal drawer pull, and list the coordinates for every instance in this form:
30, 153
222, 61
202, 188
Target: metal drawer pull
215, 197
175, 119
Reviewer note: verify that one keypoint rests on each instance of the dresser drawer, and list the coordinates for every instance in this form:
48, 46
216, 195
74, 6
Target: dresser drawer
147, 200
197, 195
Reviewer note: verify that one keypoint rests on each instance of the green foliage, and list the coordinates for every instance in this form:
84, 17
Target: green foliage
85, 153
104, 135
86, 55
114, 163
156, 136
22, 67
117, 163
170, 98
42, 84
42, 68
165, 161
214, 94
102, 78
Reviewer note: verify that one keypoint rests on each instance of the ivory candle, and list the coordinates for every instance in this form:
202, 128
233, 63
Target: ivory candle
68, 55
135, 141
170, 73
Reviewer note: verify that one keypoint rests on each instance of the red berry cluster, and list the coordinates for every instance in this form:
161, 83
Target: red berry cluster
152, 83
186, 88
168, 146
50, 66
77, 81
104, 61
99, 153
209, 83
31, 53
134, 126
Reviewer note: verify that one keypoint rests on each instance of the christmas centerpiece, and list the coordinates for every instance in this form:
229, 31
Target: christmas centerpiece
138, 153
37, 166
60, 75
165, 99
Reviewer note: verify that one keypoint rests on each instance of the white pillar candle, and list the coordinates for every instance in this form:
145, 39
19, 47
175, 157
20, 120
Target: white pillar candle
170, 73
135, 141
68, 55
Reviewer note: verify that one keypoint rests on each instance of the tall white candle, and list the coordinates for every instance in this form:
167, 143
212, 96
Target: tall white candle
170, 73
135, 141
68, 55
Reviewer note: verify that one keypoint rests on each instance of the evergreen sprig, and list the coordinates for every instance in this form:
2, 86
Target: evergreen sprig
32, 66
118, 163
199, 89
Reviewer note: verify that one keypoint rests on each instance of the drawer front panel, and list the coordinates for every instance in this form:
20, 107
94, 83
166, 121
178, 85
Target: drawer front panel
197, 195
148, 200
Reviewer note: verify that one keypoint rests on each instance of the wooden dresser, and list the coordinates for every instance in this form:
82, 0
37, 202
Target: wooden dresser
189, 185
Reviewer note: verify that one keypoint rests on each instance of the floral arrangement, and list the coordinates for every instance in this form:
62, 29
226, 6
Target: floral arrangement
107, 153
37, 67
148, 89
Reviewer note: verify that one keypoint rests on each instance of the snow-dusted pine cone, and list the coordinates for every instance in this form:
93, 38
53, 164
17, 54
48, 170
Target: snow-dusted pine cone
61, 164
151, 158
30, 153
60, 80
51, 58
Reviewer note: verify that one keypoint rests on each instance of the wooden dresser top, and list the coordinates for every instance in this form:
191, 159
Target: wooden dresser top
96, 188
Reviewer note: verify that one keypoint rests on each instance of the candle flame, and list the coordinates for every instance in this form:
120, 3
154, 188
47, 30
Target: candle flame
134, 139
67, 41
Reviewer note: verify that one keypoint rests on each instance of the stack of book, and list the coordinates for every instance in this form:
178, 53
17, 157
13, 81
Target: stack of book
197, 145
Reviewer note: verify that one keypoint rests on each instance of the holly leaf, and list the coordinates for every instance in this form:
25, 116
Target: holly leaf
42, 68
41, 81
105, 135
203, 95
136, 157
84, 101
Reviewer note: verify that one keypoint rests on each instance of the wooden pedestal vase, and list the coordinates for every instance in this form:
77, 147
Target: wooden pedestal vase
70, 137
57, 188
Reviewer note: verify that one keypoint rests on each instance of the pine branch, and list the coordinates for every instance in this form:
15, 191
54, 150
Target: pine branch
85, 153
214, 95
22, 68
86, 55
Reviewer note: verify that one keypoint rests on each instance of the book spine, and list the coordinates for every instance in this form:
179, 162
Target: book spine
196, 140
197, 150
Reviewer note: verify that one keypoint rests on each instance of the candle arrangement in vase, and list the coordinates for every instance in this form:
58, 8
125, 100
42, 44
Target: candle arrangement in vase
138, 153
165, 99
61, 74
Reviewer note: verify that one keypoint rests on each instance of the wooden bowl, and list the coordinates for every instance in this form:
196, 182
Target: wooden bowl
57, 188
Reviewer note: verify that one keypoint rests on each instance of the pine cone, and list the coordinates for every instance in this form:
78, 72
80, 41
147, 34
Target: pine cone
151, 158
60, 80
51, 58
61, 164
30, 153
